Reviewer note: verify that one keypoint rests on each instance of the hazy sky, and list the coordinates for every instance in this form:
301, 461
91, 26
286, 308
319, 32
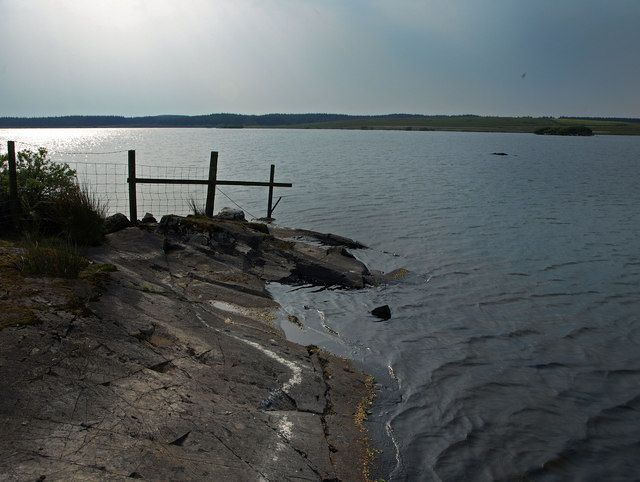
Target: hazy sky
136, 57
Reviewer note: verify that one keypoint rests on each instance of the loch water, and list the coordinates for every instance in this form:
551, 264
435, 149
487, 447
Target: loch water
513, 350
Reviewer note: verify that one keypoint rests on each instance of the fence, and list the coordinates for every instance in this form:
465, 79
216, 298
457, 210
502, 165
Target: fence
158, 189
211, 182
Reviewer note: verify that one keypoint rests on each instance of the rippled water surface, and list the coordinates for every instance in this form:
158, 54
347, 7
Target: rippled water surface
514, 346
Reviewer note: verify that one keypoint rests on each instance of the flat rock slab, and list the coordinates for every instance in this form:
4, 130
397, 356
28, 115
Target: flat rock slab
324, 238
170, 368
273, 254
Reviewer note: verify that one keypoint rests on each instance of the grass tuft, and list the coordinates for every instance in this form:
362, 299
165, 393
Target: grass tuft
195, 208
80, 216
50, 258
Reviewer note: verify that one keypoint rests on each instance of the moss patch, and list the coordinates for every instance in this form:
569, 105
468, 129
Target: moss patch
96, 270
13, 314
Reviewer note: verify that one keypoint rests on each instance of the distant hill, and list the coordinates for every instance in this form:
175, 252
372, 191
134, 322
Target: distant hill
472, 123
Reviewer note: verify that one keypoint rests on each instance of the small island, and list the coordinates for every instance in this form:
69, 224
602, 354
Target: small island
564, 131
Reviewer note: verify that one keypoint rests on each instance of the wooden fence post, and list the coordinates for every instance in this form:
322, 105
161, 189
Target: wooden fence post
271, 177
14, 200
211, 187
133, 205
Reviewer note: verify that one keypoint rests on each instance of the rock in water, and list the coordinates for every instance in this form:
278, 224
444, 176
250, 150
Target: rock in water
115, 223
232, 214
148, 218
383, 312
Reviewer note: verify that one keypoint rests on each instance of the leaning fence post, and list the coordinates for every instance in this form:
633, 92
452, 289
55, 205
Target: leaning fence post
133, 206
211, 187
14, 200
271, 177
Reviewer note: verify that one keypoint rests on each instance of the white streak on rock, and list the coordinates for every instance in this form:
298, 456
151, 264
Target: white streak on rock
296, 370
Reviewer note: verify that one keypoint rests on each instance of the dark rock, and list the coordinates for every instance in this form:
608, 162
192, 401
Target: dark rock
198, 238
231, 214
180, 440
499, 154
147, 330
324, 238
169, 222
295, 320
375, 277
148, 219
260, 252
383, 312
115, 223
168, 246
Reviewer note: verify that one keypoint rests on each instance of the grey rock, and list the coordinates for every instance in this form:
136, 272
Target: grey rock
232, 214
116, 223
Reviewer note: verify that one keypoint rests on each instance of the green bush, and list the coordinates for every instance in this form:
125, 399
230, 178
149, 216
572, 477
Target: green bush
52, 202
39, 179
564, 131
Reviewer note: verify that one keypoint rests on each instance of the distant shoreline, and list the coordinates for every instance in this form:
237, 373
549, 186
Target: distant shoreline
407, 122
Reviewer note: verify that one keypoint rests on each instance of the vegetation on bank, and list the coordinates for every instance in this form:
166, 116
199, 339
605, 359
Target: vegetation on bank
470, 123
56, 216
564, 131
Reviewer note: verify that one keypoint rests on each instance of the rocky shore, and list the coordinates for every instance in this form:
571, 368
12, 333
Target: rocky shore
164, 362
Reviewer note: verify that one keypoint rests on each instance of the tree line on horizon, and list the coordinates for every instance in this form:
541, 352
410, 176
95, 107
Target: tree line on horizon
208, 120
229, 120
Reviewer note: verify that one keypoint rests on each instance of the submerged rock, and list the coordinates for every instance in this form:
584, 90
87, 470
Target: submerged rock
383, 312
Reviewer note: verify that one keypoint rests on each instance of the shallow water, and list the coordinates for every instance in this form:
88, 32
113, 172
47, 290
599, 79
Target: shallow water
513, 346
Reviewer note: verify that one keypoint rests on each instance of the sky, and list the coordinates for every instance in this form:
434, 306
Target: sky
486, 57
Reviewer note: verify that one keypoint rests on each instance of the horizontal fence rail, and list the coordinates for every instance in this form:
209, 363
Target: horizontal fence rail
152, 180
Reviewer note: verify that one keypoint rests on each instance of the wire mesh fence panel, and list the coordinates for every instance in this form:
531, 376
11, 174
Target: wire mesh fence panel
106, 181
161, 199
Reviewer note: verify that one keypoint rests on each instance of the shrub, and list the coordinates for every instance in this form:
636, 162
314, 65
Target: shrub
565, 131
52, 201
39, 179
